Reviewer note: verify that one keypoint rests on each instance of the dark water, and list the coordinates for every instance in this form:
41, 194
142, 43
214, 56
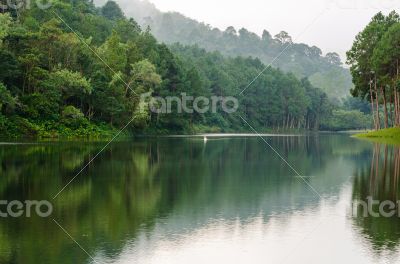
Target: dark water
181, 200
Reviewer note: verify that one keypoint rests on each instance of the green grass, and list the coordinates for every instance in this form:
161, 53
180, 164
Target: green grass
17, 127
387, 136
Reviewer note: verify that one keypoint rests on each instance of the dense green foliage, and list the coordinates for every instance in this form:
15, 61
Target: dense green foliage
374, 60
275, 100
58, 82
347, 120
302, 60
78, 70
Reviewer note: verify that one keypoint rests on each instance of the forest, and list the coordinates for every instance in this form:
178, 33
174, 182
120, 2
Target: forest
323, 71
374, 60
75, 69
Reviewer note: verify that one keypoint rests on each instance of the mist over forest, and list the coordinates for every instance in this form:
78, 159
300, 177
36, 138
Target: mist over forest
323, 71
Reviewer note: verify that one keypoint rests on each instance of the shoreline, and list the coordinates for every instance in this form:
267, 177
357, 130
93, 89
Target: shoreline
387, 136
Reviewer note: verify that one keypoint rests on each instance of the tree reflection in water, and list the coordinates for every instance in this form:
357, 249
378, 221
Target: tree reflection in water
379, 179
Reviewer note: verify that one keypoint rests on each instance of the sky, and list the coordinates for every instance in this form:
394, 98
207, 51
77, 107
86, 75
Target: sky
329, 24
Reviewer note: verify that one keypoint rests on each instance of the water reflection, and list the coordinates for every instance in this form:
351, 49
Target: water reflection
172, 200
379, 179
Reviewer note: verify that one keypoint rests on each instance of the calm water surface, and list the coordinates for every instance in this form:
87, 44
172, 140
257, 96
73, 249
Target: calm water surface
183, 200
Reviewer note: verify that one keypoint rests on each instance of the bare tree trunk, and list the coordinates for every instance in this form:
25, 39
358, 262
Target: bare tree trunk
372, 105
396, 96
395, 108
378, 119
391, 111
383, 91
287, 121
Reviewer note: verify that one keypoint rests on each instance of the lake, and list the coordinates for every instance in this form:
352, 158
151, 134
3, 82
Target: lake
230, 199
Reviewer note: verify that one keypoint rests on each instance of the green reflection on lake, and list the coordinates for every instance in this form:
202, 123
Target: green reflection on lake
379, 179
139, 193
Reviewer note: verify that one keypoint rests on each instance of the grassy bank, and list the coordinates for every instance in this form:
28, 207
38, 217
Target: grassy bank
16, 127
389, 135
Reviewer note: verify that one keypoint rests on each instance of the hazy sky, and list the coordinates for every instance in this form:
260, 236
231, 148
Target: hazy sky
328, 24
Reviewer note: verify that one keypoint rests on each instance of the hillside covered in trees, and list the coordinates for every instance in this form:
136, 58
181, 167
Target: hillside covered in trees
78, 70
325, 72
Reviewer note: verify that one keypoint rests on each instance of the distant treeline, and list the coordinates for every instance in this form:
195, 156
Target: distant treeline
323, 71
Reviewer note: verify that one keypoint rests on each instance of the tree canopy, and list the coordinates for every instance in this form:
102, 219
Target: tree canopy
374, 59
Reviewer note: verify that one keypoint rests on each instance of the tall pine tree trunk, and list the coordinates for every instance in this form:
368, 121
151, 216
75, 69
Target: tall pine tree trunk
378, 119
383, 91
391, 111
396, 112
372, 105
398, 108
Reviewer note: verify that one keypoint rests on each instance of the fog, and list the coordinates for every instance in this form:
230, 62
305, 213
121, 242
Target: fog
328, 24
